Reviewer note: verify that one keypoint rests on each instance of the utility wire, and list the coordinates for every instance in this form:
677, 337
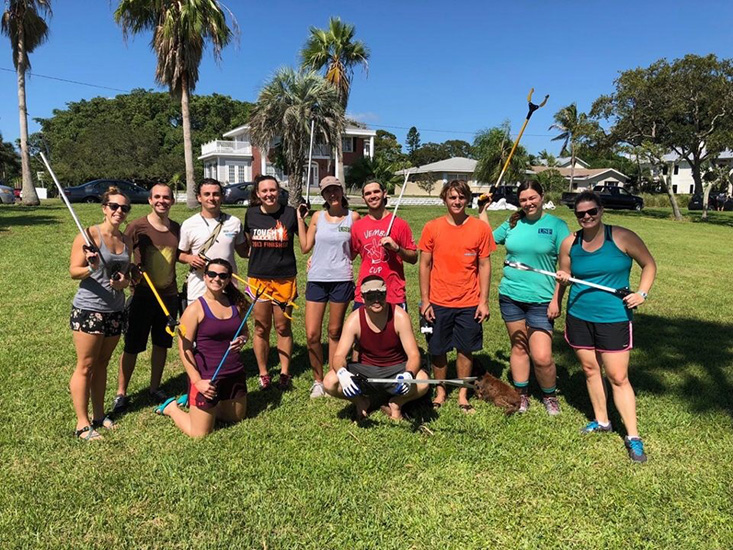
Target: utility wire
69, 81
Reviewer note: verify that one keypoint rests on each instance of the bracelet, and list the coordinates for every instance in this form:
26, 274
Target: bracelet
642, 294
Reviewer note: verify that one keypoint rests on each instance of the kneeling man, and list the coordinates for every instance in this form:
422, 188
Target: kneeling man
387, 349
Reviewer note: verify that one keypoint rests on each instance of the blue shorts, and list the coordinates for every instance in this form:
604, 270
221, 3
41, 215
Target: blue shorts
340, 292
533, 314
357, 305
455, 327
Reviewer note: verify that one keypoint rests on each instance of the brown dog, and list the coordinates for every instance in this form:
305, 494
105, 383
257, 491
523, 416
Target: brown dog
501, 394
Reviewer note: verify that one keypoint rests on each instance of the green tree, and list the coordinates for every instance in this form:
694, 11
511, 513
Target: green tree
426, 182
181, 29
429, 152
574, 128
336, 52
24, 24
685, 106
492, 148
413, 142
458, 148
552, 180
284, 110
365, 168
10, 166
388, 148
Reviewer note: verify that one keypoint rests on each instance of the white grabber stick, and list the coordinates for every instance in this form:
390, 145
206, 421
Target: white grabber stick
396, 206
460, 382
620, 292
90, 246
310, 160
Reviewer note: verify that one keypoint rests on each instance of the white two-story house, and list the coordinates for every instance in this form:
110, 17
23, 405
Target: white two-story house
234, 159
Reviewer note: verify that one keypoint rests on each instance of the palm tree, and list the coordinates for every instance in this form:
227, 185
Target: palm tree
282, 116
27, 30
492, 147
335, 50
181, 29
574, 127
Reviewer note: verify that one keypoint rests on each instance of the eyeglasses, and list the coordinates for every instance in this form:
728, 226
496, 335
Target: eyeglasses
375, 296
592, 212
114, 206
214, 275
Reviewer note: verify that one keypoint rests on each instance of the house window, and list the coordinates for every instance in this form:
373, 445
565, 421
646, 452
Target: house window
674, 189
676, 169
347, 144
692, 189
665, 170
232, 176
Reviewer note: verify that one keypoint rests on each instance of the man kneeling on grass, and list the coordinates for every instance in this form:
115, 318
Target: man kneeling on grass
387, 349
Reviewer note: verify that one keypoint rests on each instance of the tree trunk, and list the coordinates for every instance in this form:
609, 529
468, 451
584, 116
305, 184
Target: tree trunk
30, 197
295, 186
572, 165
191, 201
340, 157
672, 198
705, 200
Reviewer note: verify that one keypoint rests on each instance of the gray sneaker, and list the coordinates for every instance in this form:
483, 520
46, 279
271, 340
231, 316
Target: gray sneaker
552, 405
524, 403
317, 390
120, 404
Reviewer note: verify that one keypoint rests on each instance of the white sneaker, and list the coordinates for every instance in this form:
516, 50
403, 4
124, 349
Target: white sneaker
317, 390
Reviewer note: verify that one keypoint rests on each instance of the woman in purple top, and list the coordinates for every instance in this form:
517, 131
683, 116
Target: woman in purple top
211, 322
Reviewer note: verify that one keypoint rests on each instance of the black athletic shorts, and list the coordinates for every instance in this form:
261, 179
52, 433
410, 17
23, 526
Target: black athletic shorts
603, 337
231, 386
338, 292
146, 318
455, 327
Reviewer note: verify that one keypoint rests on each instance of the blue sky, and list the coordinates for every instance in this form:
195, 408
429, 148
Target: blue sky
448, 68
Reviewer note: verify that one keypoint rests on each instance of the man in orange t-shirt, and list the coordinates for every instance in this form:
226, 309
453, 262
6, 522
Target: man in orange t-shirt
455, 271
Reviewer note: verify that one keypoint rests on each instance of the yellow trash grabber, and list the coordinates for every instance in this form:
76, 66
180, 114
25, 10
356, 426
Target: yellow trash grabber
532, 109
171, 323
282, 305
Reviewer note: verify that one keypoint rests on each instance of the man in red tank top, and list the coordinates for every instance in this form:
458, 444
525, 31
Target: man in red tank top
387, 349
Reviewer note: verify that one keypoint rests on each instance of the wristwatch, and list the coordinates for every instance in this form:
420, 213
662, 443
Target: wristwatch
642, 294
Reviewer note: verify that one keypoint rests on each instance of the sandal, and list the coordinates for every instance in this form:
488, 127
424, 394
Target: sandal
437, 404
161, 408
467, 408
182, 401
105, 423
91, 434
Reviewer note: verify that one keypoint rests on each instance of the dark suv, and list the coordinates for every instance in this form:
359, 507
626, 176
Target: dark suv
92, 191
239, 193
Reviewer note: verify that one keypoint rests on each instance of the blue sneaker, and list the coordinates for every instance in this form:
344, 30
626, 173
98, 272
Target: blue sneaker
635, 447
595, 427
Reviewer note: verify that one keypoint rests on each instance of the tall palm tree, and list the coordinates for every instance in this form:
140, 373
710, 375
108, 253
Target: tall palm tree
23, 23
181, 29
574, 127
335, 50
282, 116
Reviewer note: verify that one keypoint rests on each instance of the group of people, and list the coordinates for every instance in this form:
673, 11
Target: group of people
373, 355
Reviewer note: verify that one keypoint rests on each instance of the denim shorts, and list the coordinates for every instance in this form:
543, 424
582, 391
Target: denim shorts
534, 315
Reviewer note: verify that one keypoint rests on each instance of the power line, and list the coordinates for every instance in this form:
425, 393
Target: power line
69, 81
451, 131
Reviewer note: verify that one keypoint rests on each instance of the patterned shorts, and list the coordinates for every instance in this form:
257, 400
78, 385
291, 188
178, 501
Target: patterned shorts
95, 322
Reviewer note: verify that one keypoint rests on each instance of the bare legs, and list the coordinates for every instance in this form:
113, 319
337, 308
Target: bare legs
264, 313
537, 344
93, 352
198, 422
617, 370
127, 366
464, 366
314, 312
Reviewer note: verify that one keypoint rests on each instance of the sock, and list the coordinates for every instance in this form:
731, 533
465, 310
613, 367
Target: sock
604, 424
549, 392
522, 387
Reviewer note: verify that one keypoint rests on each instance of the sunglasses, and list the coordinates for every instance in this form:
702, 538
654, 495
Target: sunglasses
592, 212
375, 296
214, 275
114, 206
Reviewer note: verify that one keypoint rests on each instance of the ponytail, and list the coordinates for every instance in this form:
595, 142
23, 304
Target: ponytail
514, 218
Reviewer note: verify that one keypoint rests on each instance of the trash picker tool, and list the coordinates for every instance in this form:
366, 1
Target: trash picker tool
171, 323
310, 160
620, 292
396, 206
460, 382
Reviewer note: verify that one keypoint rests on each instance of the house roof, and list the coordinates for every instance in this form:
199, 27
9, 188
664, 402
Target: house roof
454, 164
348, 131
582, 173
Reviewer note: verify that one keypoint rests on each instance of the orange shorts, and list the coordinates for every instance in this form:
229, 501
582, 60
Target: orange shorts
280, 290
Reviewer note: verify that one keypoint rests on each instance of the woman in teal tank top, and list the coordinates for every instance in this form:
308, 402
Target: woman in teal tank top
598, 323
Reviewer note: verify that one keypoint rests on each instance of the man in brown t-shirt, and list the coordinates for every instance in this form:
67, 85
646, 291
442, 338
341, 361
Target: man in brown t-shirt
155, 244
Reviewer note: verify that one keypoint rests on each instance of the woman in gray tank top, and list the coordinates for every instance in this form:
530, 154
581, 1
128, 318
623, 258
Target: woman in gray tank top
330, 275
97, 313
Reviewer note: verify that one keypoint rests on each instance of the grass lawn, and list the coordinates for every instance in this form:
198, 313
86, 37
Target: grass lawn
298, 474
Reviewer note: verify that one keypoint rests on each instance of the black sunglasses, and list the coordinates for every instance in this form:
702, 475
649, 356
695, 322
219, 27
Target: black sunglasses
214, 275
375, 295
591, 212
114, 206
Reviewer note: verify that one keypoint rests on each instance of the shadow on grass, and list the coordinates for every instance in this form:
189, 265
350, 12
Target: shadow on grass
688, 358
23, 216
714, 218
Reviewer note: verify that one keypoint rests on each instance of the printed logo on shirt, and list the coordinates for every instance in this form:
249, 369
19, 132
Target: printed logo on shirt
230, 234
344, 229
469, 254
274, 237
544, 230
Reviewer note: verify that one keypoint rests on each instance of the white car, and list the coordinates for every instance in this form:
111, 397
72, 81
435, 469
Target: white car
7, 195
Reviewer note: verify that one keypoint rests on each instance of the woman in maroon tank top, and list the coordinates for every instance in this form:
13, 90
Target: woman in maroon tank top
211, 322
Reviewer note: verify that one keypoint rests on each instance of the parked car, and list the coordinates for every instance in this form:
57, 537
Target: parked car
7, 195
714, 202
612, 197
92, 191
507, 192
239, 193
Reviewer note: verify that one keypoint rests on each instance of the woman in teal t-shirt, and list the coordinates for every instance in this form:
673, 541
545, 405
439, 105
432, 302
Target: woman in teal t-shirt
530, 302
598, 324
